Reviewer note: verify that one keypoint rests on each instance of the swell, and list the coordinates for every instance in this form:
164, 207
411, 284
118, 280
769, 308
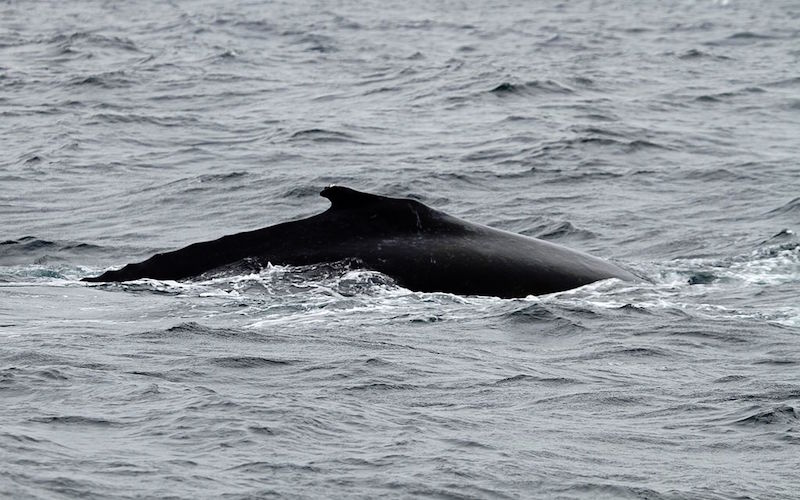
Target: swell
33, 250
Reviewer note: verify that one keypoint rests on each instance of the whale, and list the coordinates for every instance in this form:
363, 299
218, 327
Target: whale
420, 248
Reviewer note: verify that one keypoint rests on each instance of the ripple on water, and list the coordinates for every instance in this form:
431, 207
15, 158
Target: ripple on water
660, 136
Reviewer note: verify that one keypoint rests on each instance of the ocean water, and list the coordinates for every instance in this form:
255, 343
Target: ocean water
660, 135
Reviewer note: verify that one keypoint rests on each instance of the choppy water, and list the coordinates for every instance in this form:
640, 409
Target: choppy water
661, 135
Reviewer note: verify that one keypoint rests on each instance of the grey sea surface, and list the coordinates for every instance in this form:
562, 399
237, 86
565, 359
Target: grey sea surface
661, 135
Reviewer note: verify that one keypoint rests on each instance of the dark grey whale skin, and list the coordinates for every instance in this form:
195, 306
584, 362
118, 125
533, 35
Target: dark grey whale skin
420, 248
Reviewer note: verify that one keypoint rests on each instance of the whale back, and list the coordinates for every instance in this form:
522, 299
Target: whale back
421, 248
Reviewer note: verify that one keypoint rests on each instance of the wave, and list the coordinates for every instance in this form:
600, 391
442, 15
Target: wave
160, 120
247, 362
325, 136
31, 250
22, 378
582, 149
193, 329
174, 375
564, 231
742, 38
609, 490
525, 378
791, 82
728, 95
30, 243
106, 80
382, 386
534, 87
783, 414
717, 174
228, 181
92, 39
772, 261
77, 420
546, 319
790, 207
694, 54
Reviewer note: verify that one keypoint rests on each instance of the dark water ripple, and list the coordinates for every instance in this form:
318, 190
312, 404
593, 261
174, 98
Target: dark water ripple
662, 136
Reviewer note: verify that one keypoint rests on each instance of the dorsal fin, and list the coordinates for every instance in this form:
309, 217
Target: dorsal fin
344, 197
391, 214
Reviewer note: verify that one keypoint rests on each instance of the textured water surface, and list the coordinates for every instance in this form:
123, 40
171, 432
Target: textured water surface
662, 136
